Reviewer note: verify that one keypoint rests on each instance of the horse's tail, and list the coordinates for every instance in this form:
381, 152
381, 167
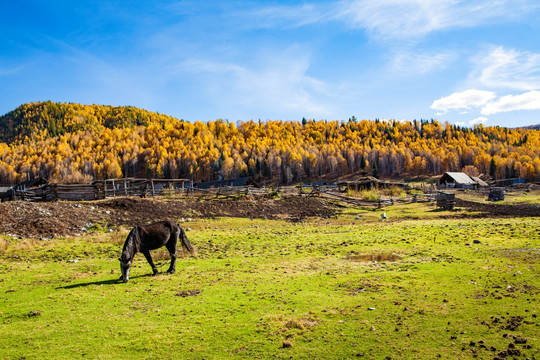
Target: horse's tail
185, 242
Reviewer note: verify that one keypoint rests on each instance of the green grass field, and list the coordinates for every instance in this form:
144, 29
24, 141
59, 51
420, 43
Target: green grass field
415, 287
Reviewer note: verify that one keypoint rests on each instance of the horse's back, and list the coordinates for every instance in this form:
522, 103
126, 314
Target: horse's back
157, 234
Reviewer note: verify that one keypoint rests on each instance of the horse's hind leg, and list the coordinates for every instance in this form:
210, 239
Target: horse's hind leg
146, 254
171, 246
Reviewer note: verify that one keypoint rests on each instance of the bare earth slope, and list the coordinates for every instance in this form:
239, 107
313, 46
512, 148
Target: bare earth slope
70, 218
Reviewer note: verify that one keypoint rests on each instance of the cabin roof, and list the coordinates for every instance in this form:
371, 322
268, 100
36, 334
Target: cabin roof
32, 183
457, 177
479, 181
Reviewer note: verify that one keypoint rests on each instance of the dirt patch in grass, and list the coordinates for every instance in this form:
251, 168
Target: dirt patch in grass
186, 293
359, 288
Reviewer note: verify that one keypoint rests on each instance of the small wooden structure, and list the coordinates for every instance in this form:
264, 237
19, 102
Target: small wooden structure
496, 194
446, 200
74, 192
7, 193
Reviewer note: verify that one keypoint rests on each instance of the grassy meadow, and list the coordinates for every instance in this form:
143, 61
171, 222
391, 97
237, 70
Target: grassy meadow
419, 286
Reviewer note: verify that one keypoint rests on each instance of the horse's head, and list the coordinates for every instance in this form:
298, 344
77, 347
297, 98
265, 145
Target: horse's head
128, 251
125, 266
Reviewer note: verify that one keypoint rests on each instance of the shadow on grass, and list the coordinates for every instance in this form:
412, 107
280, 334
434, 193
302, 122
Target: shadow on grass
455, 210
104, 282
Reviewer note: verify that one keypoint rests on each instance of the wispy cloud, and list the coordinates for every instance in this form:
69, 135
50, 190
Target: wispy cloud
416, 18
507, 68
527, 101
391, 18
408, 63
9, 70
289, 16
463, 100
278, 85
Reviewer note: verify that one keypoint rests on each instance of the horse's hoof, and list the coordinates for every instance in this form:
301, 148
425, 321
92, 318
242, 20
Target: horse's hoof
125, 280
171, 271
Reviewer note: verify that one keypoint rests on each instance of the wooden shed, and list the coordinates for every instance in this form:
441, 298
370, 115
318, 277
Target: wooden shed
7, 193
446, 200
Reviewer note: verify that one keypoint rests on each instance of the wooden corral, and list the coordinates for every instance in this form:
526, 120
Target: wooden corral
100, 189
138, 187
368, 183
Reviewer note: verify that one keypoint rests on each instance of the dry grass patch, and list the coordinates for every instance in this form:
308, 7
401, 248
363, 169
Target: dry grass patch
374, 257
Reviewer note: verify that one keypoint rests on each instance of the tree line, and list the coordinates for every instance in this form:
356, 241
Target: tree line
79, 143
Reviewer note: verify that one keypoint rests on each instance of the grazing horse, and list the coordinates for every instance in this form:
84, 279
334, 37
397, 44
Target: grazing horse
143, 238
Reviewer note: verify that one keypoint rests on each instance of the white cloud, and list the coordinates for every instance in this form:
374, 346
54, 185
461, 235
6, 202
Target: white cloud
527, 101
459, 123
415, 18
479, 120
499, 68
508, 68
463, 100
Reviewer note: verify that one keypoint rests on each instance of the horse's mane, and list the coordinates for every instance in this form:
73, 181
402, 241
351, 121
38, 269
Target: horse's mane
131, 244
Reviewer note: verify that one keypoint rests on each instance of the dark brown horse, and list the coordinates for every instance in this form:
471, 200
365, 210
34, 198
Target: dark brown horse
143, 238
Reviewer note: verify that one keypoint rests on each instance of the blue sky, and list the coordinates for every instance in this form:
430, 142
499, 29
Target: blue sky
465, 62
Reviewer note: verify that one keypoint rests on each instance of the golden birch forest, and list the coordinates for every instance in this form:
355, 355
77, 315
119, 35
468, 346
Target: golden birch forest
73, 143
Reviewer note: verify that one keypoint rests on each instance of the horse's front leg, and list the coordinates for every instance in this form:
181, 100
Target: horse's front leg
146, 254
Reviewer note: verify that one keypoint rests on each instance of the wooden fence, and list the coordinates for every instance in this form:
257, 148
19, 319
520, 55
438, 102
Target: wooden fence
183, 187
104, 189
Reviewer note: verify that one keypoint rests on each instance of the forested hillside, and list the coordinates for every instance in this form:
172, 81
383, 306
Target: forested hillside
73, 143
